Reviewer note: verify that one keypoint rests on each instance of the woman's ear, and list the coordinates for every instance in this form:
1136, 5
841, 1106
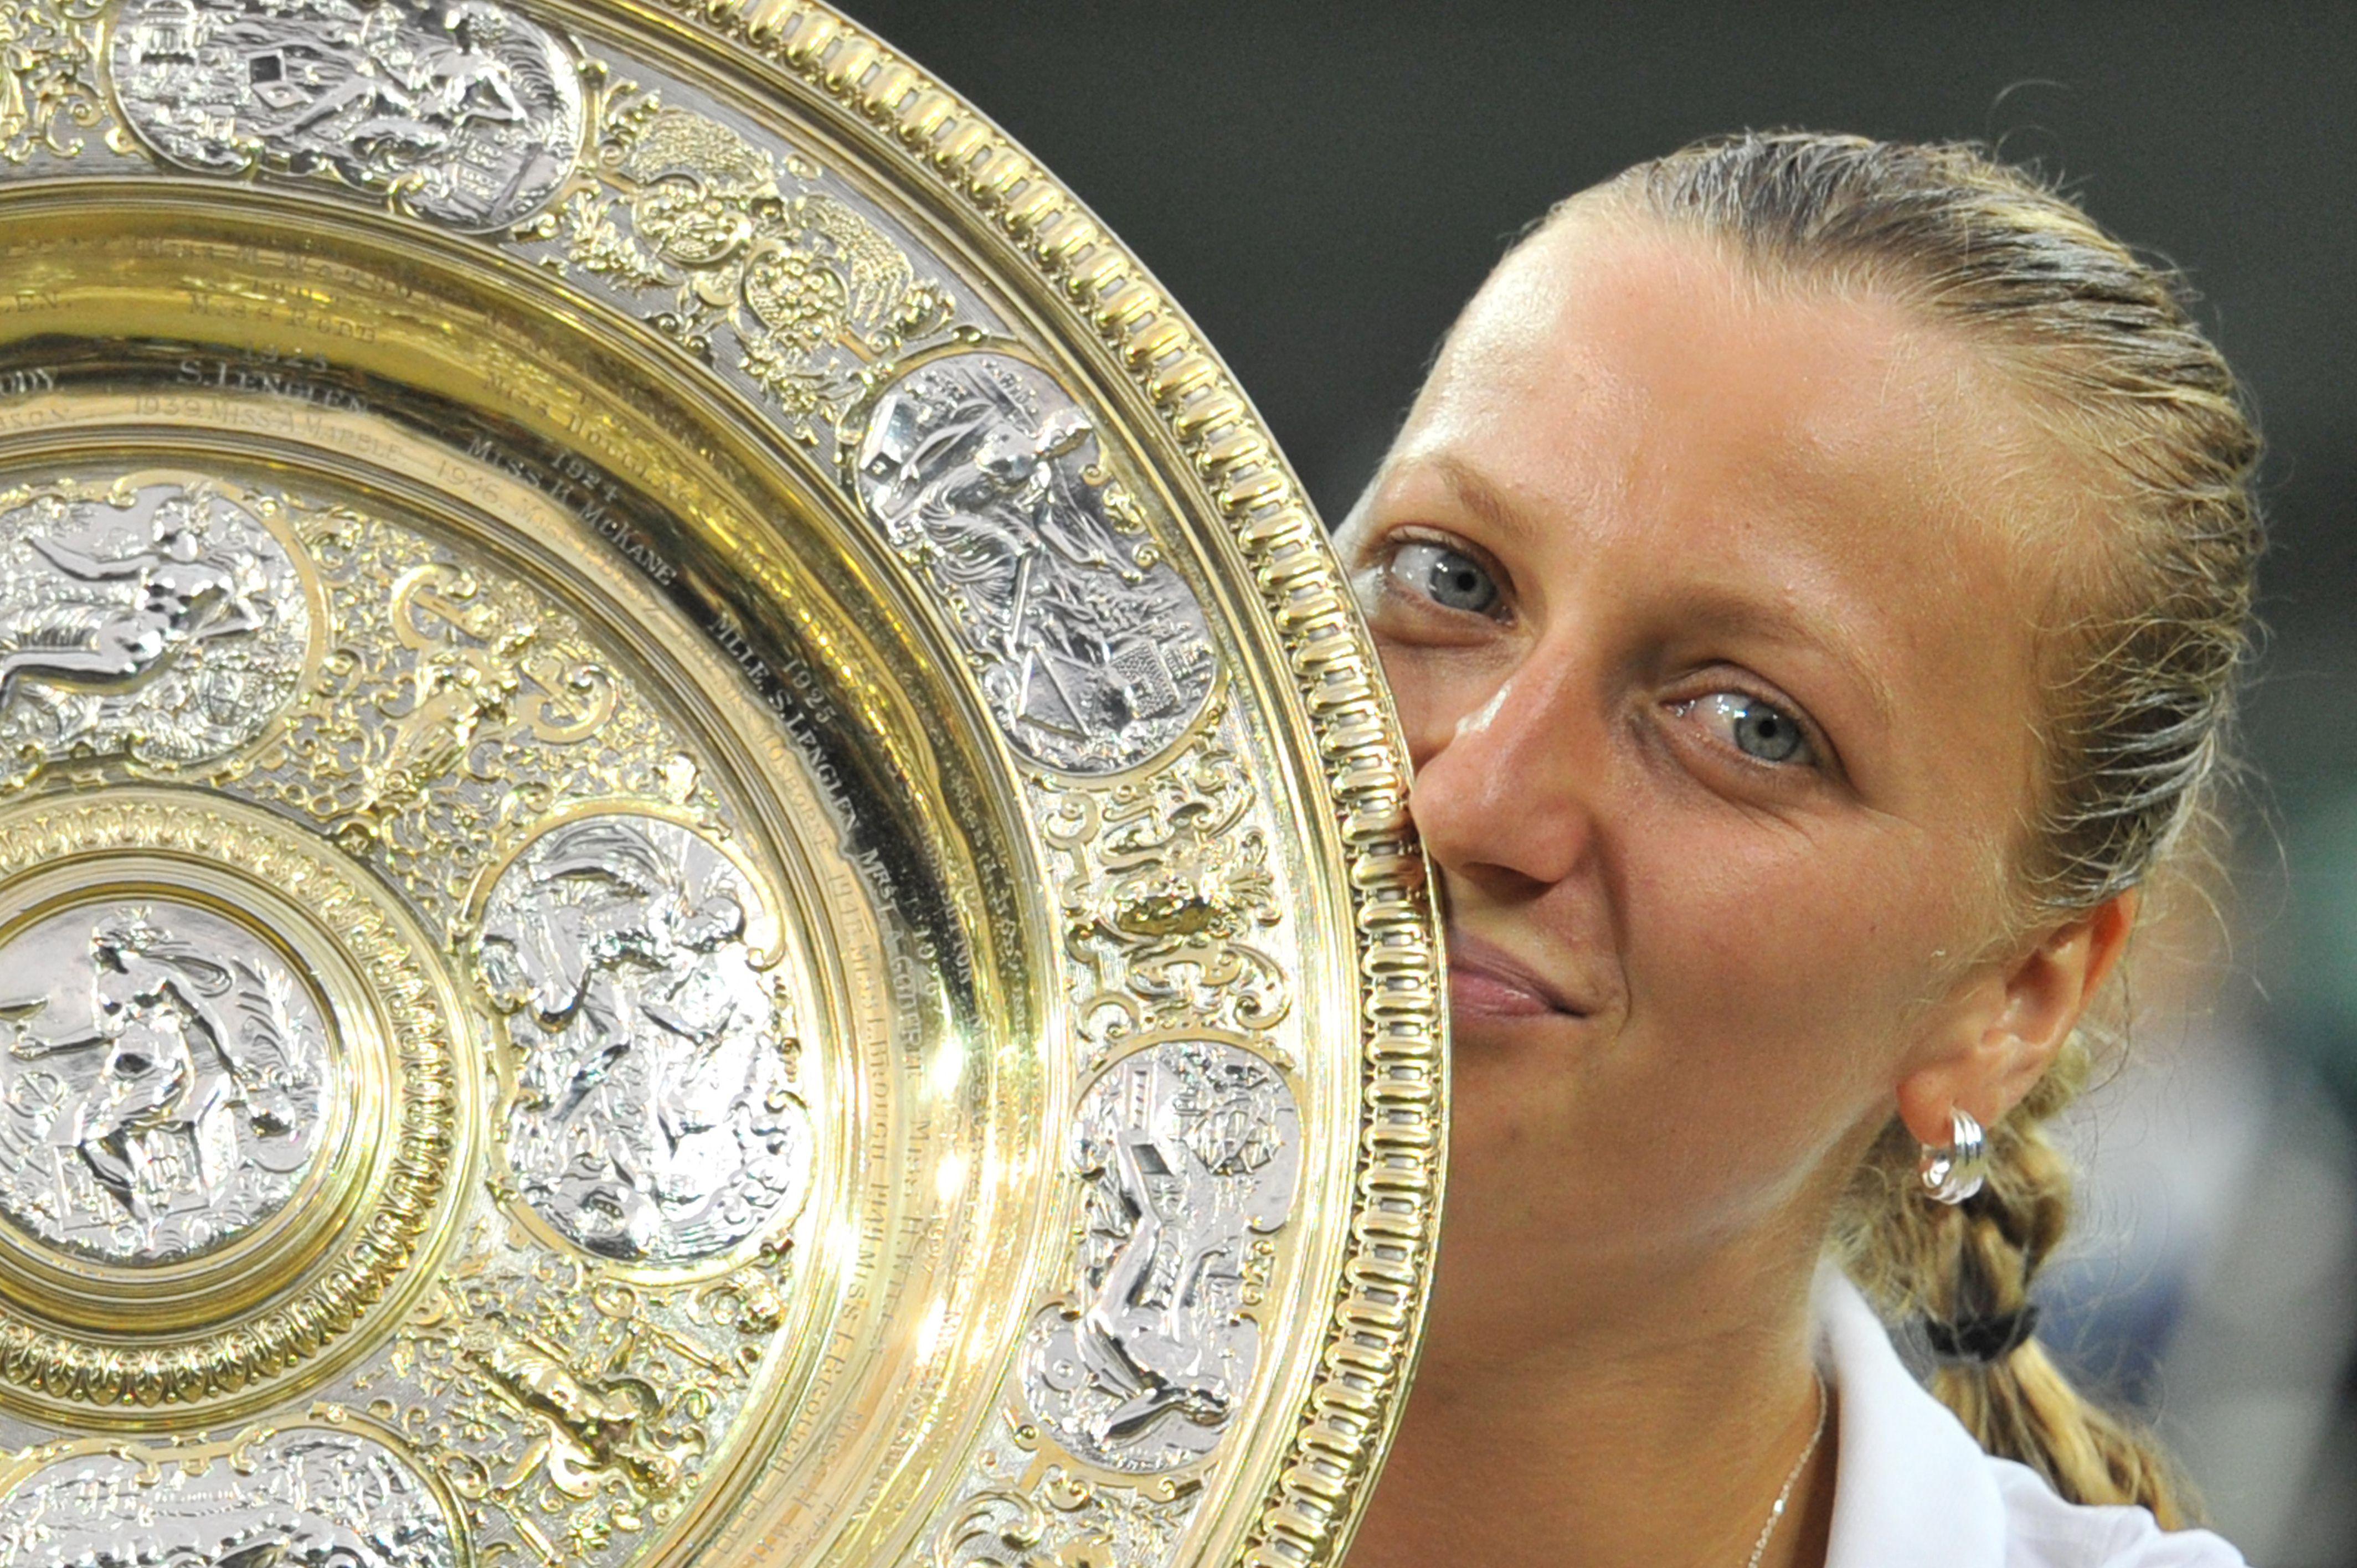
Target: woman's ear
2028, 1011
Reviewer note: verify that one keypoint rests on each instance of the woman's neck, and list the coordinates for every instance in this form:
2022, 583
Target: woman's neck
1649, 1424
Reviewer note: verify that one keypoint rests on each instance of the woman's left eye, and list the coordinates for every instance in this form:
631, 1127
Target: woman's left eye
1759, 730
1449, 578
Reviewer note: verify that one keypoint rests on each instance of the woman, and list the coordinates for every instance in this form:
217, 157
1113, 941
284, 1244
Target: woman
1813, 579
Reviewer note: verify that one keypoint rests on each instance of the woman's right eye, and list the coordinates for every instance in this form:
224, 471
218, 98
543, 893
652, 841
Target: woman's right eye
1449, 578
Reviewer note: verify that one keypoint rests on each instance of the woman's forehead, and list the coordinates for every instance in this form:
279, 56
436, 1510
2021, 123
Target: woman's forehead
1617, 368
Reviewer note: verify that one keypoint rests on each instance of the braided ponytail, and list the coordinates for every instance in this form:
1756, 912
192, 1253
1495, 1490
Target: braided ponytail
1971, 1266
2141, 676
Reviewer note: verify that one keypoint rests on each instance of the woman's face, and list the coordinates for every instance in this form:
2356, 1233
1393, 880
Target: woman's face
1708, 611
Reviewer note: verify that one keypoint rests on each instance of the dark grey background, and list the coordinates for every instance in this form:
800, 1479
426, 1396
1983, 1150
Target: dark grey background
1322, 185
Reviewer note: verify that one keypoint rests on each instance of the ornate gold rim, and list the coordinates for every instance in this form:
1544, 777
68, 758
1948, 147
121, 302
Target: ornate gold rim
1370, 1336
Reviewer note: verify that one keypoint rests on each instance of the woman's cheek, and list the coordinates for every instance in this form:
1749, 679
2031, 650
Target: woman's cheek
1757, 940
1428, 697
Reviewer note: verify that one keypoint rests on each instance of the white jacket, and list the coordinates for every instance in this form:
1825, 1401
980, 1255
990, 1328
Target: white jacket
1913, 1490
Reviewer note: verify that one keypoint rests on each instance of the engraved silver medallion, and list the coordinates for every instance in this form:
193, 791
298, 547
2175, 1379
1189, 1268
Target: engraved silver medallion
986, 476
1190, 1152
305, 1498
163, 1081
653, 1119
167, 624
468, 112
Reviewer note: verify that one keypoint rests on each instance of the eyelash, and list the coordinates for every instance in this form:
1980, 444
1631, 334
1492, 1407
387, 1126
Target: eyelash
1820, 757
1386, 562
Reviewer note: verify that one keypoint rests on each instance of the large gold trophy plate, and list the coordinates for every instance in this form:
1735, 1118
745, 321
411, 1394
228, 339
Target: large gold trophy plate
698, 862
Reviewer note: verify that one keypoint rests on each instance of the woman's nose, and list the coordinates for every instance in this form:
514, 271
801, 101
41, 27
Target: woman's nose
1512, 789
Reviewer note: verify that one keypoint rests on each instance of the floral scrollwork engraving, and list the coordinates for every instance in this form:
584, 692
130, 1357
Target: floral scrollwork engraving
458, 707
49, 92
568, 1410
1007, 1529
483, 678
807, 290
1023, 1508
1169, 900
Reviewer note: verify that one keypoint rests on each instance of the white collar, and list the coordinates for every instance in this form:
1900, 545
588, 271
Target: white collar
1911, 1486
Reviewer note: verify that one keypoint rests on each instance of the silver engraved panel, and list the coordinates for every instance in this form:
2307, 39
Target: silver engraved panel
1191, 1152
167, 624
653, 1119
987, 479
467, 113
305, 1498
165, 1082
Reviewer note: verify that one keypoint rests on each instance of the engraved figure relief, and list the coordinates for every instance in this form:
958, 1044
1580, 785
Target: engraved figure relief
987, 479
810, 291
164, 622
165, 1081
463, 111
1191, 1151
310, 1497
589, 1428
655, 1120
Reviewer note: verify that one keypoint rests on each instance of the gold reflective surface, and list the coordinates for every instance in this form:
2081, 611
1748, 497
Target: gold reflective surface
697, 861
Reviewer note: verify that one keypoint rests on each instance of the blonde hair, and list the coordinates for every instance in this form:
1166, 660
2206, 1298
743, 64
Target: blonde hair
2142, 673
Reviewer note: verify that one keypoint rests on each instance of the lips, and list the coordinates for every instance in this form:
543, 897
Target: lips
1487, 980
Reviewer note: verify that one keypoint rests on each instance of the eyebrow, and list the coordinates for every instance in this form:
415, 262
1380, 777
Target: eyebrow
1730, 613
1476, 493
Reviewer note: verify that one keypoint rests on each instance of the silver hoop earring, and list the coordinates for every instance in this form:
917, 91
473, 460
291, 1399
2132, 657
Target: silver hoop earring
1953, 1174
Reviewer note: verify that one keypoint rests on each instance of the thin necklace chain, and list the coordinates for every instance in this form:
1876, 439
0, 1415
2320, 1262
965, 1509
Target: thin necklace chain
1784, 1493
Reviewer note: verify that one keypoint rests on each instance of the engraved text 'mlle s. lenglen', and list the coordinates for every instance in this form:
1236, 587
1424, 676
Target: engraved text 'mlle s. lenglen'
698, 863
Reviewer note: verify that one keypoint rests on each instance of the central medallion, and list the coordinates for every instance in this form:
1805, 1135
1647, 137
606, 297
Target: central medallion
229, 1102
165, 1082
